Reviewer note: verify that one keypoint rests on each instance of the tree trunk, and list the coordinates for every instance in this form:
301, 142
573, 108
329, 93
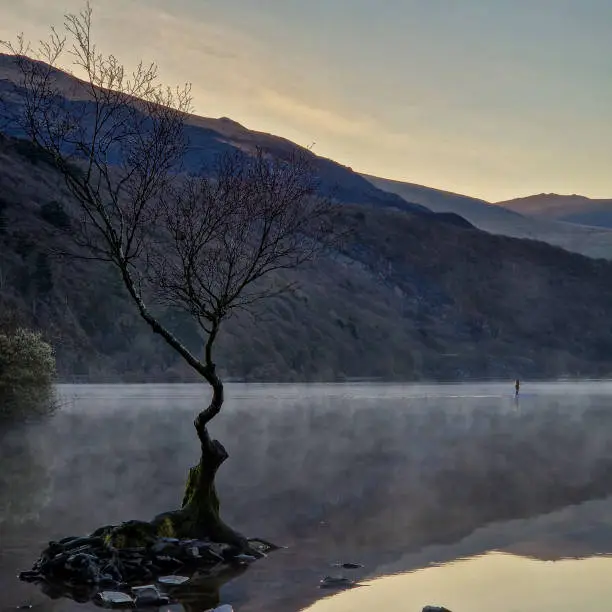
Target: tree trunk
200, 509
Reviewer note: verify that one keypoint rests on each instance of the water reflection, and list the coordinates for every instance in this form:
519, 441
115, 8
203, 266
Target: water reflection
393, 477
490, 582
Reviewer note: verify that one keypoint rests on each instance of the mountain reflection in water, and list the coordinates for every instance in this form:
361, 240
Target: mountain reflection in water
493, 581
394, 477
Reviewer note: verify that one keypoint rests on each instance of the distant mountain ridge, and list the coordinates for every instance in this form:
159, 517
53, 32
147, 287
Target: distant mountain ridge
569, 208
585, 231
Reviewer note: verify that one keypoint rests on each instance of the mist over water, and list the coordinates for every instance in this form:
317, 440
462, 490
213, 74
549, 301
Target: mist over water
393, 476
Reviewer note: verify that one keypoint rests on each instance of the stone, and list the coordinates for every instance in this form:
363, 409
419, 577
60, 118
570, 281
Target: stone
223, 608
115, 598
148, 595
85, 566
167, 563
244, 559
172, 580
263, 545
114, 558
220, 549
166, 548
435, 609
106, 580
336, 582
194, 551
84, 543
29, 576
209, 551
348, 565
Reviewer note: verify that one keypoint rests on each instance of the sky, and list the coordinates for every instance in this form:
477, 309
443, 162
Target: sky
490, 98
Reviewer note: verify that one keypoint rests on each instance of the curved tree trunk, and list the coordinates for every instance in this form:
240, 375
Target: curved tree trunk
199, 514
200, 509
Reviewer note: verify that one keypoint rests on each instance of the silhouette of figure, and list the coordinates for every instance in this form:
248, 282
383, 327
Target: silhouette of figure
517, 387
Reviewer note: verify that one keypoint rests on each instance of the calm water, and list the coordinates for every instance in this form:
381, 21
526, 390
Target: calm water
452, 495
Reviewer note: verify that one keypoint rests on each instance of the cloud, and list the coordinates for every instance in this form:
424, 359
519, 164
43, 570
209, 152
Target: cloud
319, 118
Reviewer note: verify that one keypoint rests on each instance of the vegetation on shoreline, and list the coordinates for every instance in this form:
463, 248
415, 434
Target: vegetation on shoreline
27, 374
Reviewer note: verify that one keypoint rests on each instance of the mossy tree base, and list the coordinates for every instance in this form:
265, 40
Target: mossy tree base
198, 517
137, 552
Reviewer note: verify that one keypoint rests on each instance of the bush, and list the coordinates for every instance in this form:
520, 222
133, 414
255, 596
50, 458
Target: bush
27, 374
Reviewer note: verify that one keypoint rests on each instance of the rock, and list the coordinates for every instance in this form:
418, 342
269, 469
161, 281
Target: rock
167, 563
227, 551
244, 559
336, 582
263, 545
177, 607
213, 552
435, 609
88, 542
85, 566
166, 548
100, 531
348, 565
223, 608
115, 598
106, 580
172, 580
116, 557
149, 595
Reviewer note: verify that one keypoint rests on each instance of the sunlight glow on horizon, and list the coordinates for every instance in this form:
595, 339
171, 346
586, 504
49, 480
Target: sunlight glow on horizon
496, 101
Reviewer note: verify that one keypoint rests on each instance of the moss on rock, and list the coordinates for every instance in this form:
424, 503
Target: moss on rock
131, 534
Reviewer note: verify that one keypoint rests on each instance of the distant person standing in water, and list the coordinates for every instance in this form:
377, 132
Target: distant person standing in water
517, 387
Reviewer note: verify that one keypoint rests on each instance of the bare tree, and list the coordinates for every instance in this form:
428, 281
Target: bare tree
208, 244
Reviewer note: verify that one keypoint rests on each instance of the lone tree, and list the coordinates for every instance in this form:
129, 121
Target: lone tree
207, 244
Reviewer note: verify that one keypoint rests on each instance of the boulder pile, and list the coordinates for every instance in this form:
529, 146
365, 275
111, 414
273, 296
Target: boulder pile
97, 561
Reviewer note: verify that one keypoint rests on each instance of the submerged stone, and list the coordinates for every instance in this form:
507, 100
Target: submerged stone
435, 609
244, 559
149, 595
115, 598
336, 582
172, 580
114, 558
29, 576
348, 565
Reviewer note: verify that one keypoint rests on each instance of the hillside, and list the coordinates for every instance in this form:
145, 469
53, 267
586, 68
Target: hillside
413, 296
207, 139
569, 208
570, 231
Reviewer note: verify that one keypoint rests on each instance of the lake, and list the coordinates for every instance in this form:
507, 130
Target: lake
453, 495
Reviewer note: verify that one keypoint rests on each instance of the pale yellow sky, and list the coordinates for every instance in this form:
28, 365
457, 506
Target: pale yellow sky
494, 99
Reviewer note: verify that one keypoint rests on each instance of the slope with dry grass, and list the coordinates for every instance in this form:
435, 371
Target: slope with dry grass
412, 296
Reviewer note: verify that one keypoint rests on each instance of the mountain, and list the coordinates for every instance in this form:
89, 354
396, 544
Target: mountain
210, 137
572, 231
569, 208
413, 295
